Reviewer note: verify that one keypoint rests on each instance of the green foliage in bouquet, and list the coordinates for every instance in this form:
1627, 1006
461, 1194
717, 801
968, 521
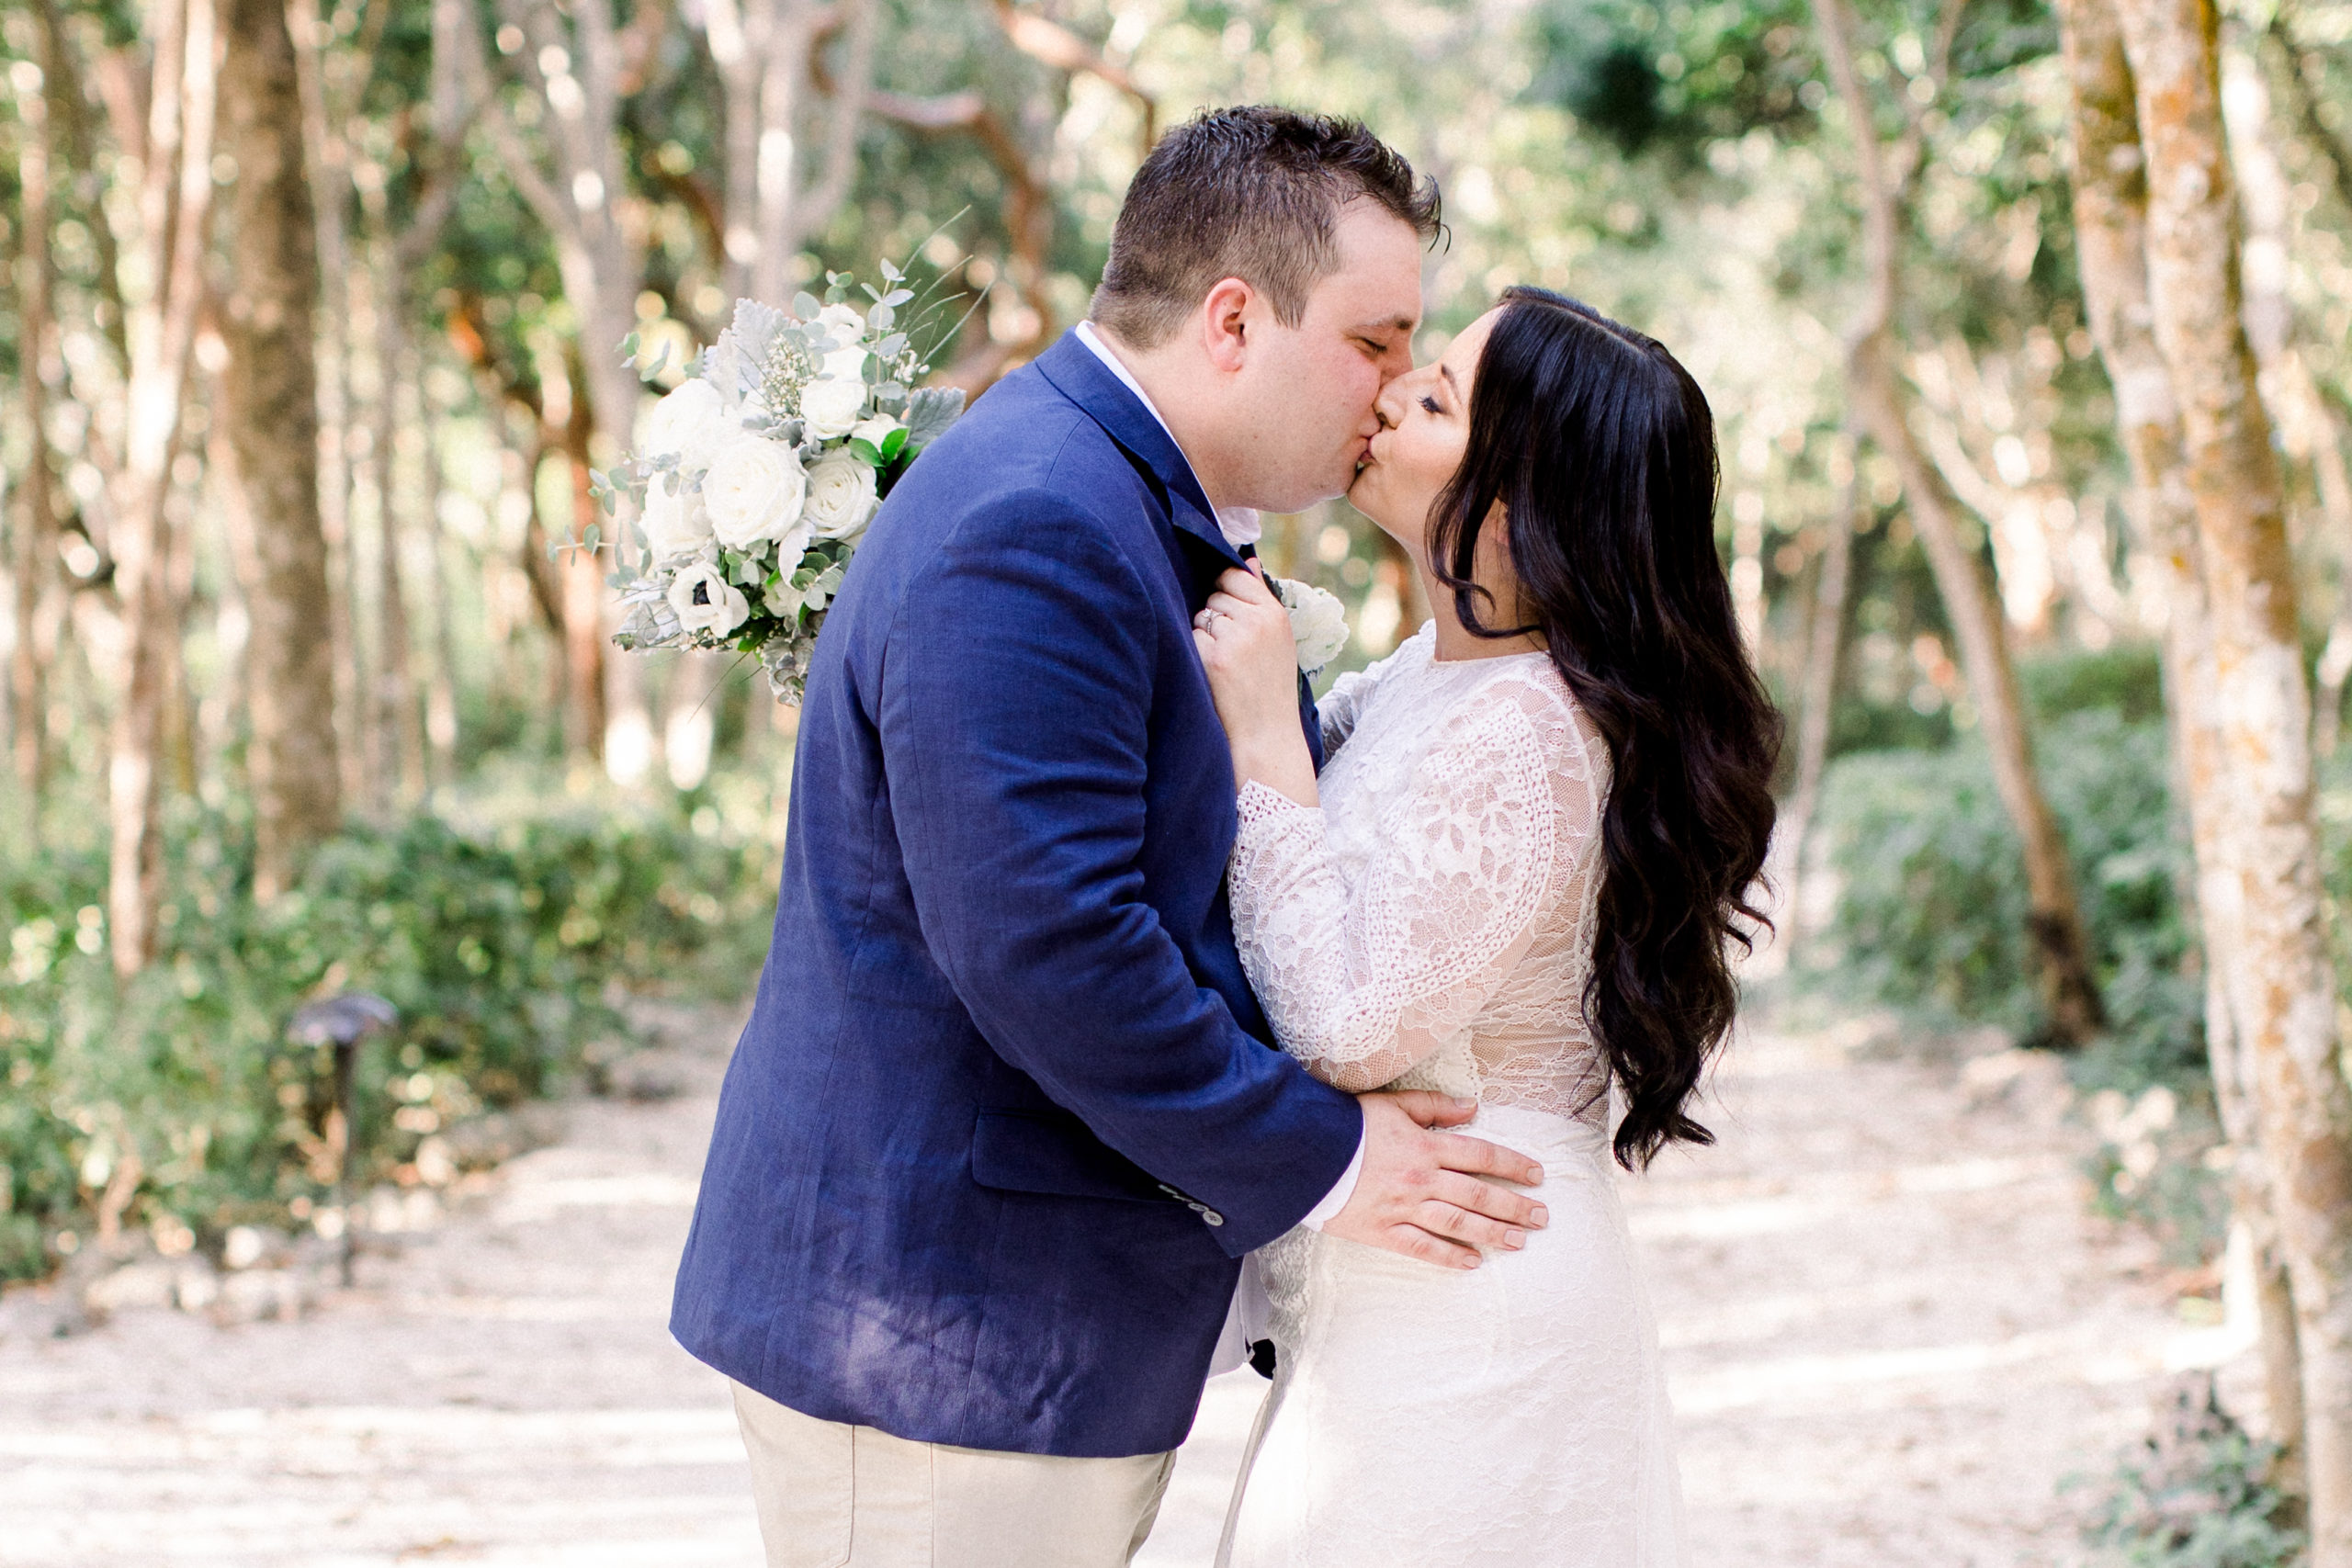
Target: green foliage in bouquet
760, 473
177, 1098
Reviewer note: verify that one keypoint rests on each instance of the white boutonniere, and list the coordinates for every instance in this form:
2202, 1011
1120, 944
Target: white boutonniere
1318, 622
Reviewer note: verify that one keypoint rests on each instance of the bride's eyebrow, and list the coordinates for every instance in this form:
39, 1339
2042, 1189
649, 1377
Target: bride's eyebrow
1447, 371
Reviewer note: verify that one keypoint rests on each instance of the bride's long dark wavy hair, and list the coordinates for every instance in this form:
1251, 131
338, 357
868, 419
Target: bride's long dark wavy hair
1601, 450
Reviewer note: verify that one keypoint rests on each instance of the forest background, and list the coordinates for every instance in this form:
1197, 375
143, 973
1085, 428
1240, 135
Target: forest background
2029, 329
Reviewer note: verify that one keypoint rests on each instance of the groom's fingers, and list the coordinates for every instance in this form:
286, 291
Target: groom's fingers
1470, 1230
1431, 1109
1414, 1241
1476, 1157
1492, 1208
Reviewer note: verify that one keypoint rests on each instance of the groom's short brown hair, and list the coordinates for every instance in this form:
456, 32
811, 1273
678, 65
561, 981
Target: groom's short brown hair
1252, 193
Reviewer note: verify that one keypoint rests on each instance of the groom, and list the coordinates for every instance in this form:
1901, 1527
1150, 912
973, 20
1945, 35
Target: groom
1006, 1115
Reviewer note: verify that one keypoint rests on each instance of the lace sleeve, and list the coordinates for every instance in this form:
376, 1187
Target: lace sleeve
1344, 704
1365, 969
1340, 706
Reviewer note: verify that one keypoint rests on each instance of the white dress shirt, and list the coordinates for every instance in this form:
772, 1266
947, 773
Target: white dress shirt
1240, 525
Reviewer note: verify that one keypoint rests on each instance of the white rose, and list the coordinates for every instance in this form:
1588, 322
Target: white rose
706, 602
841, 495
843, 324
876, 430
672, 524
831, 408
1319, 623
753, 492
687, 422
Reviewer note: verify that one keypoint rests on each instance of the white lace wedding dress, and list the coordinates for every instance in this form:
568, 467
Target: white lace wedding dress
1429, 926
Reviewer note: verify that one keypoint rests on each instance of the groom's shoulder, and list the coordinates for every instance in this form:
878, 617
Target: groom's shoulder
1023, 442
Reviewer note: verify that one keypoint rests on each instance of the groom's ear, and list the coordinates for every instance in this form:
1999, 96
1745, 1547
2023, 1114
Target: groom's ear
1225, 320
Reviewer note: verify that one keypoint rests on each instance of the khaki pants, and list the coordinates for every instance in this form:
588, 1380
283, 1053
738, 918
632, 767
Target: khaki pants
837, 1497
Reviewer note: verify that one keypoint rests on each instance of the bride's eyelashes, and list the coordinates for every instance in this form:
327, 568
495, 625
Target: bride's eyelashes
1430, 403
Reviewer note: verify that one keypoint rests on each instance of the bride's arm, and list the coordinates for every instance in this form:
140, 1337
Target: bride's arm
1344, 704
1364, 970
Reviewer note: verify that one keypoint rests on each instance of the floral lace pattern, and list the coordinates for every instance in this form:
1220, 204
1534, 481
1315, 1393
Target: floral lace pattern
1430, 925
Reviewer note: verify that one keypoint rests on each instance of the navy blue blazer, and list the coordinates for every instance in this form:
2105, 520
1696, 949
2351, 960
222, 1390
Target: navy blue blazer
1006, 1115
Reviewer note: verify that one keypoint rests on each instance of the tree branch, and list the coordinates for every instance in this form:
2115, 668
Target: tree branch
1055, 45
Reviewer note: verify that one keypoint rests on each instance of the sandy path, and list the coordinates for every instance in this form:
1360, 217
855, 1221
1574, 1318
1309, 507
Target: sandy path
1891, 1330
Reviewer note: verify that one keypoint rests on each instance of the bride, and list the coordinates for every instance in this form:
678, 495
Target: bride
1514, 881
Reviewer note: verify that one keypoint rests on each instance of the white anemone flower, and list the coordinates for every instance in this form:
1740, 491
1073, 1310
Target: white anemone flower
706, 602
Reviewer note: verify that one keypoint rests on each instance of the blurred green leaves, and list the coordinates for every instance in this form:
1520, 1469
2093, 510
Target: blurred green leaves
500, 939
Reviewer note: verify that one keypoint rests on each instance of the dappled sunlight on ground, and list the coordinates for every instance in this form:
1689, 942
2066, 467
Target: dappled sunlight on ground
1891, 1326
502, 1391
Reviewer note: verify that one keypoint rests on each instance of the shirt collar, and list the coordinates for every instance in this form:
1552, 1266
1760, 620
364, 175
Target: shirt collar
1239, 525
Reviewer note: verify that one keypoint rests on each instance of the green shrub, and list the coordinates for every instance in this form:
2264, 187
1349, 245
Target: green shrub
2126, 679
497, 935
2196, 1495
1930, 916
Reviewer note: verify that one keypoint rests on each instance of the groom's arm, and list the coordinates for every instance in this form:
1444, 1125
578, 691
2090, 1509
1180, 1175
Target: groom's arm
1014, 708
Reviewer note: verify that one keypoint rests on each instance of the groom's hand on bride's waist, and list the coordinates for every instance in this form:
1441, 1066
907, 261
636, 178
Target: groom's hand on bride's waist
1420, 1192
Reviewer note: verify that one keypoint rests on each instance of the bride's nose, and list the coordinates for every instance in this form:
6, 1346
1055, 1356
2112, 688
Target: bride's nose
1389, 407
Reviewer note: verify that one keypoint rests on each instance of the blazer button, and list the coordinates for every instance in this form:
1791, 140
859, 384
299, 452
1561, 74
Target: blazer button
1213, 1216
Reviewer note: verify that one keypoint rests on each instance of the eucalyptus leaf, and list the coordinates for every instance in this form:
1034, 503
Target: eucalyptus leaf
930, 410
805, 306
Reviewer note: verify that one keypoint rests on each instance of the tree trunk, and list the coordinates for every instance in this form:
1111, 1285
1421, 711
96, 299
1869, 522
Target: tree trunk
2281, 980
766, 53
584, 605
2060, 947
2112, 233
441, 695
398, 721
2305, 424
31, 564
174, 199
330, 175
270, 406
576, 71
1824, 654
2336, 503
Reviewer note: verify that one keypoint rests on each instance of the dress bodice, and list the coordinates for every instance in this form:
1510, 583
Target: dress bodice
1430, 925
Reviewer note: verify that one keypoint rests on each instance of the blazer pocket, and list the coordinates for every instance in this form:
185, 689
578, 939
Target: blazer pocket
1032, 1151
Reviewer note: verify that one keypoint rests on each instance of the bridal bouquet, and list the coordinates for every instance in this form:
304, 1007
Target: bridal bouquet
760, 472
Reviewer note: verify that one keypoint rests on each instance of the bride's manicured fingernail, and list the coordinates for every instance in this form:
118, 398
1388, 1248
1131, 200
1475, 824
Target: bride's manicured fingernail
1514, 1239
1541, 1217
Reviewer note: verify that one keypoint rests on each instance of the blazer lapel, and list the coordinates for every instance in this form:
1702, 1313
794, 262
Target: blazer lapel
1085, 380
